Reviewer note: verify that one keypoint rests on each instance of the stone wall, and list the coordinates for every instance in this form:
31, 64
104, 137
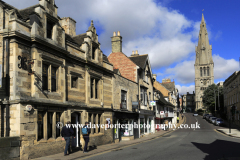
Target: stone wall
10, 148
121, 83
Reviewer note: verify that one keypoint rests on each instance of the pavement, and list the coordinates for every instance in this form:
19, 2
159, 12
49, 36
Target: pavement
113, 146
233, 132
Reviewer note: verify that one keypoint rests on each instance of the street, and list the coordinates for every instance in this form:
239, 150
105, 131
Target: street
184, 144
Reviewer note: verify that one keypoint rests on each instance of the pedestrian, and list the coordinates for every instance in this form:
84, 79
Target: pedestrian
182, 116
177, 119
86, 131
67, 132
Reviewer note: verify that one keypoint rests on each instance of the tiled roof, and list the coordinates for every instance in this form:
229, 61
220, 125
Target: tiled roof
70, 39
169, 85
27, 11
139, 60
80, 38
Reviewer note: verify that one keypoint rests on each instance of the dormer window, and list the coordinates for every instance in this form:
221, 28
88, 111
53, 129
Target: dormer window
93, 52
49, 29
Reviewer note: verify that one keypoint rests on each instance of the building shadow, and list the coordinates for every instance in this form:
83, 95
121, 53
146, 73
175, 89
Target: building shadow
220, 150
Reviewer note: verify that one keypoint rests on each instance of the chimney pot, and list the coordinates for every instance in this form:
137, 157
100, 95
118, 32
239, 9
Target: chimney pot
132, 52
114, 34
118, 33
136, 52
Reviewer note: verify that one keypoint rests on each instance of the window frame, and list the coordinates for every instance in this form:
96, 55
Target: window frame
123, 99
49, 29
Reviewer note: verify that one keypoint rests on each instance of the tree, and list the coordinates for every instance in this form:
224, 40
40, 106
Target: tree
209, 99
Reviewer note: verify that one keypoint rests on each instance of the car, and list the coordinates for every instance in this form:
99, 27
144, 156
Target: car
195, 114
212, 119
219, 122
208, 117
204, 116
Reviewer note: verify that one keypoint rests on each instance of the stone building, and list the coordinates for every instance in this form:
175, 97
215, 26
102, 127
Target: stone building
203, 64
231, 90
51, 75
163, 104
125, 107
136, 68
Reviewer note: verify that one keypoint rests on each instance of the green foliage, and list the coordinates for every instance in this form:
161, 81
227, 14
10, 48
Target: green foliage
208, 99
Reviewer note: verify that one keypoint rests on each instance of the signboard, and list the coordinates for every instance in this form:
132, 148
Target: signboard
29, 107
134, 105
161, 112
153, 103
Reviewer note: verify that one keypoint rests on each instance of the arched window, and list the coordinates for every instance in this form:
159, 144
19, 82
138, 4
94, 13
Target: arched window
204, 71
201, 71
208, 71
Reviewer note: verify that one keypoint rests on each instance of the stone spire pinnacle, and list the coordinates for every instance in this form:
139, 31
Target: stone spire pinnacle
202, 18
204, 49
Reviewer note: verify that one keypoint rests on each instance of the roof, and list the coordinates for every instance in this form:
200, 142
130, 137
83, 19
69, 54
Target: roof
105, 58
9, 7
139, 60
80, 38
27, 11
163, 100
70, 39
116, 71
169, 85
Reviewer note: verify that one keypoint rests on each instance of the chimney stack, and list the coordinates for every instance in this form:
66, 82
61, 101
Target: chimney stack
69, 25
116, 42
132, 53
137, 53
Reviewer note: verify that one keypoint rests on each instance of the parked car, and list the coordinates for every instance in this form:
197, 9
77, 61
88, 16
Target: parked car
208, 117
195, 114
219, 122
212, 119
204, 116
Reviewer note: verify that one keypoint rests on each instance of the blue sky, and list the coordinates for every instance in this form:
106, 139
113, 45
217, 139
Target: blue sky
167, 30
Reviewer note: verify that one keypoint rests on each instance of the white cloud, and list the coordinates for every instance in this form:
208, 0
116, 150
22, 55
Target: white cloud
184, 89
148, 27
223, 68
184, 72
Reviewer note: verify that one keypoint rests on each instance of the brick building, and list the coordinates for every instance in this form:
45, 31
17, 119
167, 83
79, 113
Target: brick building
51, 75
136, 68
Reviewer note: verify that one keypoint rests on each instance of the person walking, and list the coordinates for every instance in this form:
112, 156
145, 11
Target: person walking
66, 133
86, 131
177, 119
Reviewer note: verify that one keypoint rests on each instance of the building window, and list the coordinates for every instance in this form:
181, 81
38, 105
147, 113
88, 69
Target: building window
123, 99
201, 71
89, 118
40, 124
49, 30
58, 115
99, 120
45, 77
207, 71
49, 124
204, 69
93, 52
53, 79
143, 75
74, 82
94, 123
94, 88
144, 96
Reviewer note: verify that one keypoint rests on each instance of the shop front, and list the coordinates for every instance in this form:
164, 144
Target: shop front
147, 122
124, 125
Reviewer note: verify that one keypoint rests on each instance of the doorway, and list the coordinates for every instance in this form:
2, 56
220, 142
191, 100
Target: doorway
75, 119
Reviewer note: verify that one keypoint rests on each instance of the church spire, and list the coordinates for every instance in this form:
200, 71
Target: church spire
204, 49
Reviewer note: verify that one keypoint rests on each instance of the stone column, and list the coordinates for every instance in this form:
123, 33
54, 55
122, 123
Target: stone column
96, 122
45, 126
54, 125
92, 129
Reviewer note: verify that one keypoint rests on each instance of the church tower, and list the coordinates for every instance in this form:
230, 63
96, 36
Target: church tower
203, 65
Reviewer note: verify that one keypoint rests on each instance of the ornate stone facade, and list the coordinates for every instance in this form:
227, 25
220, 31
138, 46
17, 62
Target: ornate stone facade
204, 75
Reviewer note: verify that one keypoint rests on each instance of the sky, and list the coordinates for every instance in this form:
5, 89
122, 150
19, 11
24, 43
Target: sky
166, 30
